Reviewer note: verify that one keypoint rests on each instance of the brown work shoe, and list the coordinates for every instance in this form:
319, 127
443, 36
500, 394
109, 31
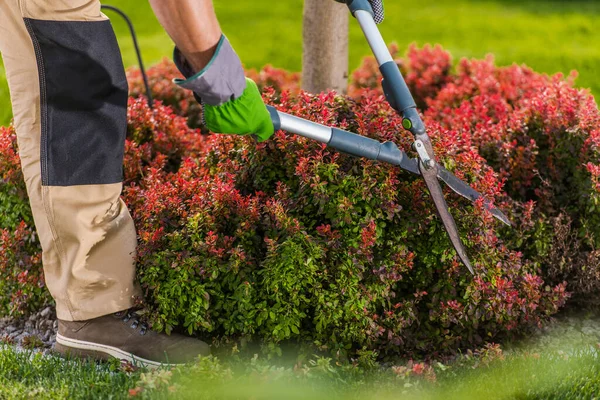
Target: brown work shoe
123, 336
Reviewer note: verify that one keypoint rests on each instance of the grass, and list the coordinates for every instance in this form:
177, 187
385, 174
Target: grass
5, 111
29, 375
549, 36
563, 364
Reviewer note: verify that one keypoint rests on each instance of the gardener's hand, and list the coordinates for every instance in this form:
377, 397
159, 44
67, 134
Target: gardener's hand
245, 115
232, 103
378, 10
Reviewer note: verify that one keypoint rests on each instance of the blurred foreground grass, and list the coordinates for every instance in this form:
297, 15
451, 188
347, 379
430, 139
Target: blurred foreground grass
548, 35
562, 364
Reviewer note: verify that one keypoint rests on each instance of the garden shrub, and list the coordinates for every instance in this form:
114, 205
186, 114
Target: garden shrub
538, 132
160, 78
540, 135
346, 253
155, 139
22, 288
278, 79
289, 241
14, 207
425, 70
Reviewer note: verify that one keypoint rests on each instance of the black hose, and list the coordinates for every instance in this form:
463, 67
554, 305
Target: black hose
137, 50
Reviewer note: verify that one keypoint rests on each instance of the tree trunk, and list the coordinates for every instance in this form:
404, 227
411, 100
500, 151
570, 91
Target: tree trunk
325, 55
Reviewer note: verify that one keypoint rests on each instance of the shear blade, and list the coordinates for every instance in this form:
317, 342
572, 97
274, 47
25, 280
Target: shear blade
431, 179
468, 192
458, 186
410, 164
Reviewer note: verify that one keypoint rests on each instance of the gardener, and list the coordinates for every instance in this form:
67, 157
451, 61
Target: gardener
69, 99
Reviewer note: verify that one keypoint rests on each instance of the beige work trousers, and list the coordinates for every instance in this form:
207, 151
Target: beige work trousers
69, 99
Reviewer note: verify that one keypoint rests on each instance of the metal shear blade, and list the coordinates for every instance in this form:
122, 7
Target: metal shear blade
431, 174
458, 186
431, 179
468, 192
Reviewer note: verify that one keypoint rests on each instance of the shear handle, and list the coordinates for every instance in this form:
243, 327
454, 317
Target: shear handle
346, 142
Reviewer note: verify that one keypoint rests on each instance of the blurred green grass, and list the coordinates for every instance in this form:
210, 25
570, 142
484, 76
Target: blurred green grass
5, 111
548, 35
563, 363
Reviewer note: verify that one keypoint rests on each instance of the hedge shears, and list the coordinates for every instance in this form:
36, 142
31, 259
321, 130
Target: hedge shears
369, 13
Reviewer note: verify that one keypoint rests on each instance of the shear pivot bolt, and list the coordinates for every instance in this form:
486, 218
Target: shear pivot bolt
425, 159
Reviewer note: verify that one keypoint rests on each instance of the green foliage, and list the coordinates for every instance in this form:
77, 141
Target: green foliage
14, 207
22, 287
289, 242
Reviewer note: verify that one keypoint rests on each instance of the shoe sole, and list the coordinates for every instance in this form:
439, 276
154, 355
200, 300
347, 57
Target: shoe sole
82, 349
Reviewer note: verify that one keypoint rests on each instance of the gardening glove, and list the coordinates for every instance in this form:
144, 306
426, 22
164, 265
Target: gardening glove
378, 10
232, 103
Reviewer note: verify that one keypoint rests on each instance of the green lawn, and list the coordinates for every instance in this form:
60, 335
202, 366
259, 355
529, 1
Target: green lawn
550, 36
562, 364
5, 112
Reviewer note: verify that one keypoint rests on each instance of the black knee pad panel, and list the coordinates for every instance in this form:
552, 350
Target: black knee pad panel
83, 102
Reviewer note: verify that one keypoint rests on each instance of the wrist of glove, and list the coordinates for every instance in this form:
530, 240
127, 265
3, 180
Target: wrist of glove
232, 103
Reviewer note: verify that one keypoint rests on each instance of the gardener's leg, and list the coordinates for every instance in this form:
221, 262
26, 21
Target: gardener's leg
69, 97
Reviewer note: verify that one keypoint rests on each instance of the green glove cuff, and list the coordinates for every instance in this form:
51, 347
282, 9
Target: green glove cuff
247, 111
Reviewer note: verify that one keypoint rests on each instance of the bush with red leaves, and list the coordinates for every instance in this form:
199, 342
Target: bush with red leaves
425, 70
160, 80
319, 246
289, 241
156, 139
539, 133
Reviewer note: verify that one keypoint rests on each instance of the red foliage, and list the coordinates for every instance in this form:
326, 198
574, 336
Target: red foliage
278, 79
10, 167
228, 214
426, 71
160, 80
288, 239
23, 287
157, 138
